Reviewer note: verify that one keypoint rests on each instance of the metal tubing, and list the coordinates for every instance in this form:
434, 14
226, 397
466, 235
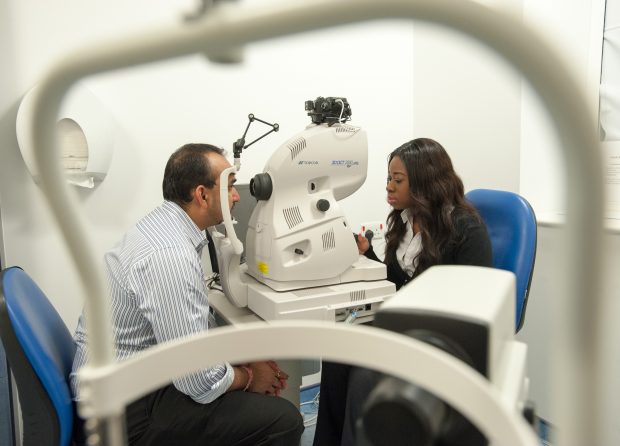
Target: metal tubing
407, 358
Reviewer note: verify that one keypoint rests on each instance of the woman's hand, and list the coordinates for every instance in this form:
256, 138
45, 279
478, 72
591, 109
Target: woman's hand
362, 243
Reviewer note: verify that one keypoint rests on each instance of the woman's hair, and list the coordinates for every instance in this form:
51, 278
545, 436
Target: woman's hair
186, 169
438, 196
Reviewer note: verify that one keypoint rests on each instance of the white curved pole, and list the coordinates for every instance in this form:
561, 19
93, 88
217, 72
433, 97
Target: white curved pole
229, 250
577, 389
230, 229
407, 358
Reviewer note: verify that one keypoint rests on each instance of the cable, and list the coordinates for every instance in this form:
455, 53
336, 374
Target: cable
307, 402
351, 317
341, 109
213, 282
311, 421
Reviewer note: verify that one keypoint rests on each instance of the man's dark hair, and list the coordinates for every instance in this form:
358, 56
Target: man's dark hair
188, 168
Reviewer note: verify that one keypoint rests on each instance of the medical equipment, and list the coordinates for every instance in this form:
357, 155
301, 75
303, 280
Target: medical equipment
328, 110
240, 144
298, 235
579, 321
300, 250
478, 329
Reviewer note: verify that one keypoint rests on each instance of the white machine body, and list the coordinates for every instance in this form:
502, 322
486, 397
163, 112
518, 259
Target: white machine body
301, 257
291, 243
355, 302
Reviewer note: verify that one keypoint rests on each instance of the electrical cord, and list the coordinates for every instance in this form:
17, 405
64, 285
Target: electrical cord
351, 317
311, 420
213, 282
341, 109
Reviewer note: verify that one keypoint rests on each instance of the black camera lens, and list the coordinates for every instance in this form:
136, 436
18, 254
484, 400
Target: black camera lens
261, 186
328, 110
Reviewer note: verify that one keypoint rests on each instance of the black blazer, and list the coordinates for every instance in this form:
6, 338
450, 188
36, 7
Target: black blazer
470, 245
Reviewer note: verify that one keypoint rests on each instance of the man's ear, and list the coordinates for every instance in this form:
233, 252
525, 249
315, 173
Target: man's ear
201, 194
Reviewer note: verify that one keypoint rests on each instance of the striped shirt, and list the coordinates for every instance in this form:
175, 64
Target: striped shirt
158, 294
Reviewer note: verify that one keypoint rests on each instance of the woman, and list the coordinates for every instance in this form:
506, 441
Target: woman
431, 223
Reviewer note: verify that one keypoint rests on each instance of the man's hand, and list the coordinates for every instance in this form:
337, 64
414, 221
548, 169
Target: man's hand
280, 374
268, 380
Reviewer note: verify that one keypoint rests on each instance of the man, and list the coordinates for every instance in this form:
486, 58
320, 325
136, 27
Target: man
158, 294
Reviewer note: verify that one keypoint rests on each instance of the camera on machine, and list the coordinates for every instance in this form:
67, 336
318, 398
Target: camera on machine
328, 110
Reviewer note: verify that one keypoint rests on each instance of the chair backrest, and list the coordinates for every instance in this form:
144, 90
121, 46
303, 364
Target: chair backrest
40, 350
511, 223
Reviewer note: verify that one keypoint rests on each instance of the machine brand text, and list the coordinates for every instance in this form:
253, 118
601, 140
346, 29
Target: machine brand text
345, 163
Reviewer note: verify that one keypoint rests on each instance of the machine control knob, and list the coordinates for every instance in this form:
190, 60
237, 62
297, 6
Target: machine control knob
261, 186
322, 205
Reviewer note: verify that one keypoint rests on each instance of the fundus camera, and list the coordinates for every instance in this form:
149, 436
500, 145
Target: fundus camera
328, 110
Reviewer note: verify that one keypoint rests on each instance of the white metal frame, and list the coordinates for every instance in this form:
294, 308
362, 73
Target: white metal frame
220, 35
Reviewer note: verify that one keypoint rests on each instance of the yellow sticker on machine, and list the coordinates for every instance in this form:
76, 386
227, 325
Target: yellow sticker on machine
263, 268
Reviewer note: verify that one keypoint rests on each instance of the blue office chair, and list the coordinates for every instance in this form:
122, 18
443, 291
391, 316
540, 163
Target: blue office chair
39, 350
511, 223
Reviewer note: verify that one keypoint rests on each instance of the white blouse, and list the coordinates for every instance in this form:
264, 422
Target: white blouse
409, 247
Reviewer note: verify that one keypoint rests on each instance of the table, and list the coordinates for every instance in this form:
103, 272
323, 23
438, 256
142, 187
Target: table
229, 314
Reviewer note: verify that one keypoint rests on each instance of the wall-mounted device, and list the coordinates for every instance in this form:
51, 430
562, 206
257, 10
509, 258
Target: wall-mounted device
85, 136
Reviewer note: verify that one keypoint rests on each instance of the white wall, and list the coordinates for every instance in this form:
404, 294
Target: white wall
162, 106
35, 35
576, 29
539, 323
468, 98
565, 24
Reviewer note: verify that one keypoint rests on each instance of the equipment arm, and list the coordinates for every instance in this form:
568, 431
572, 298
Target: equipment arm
240, 144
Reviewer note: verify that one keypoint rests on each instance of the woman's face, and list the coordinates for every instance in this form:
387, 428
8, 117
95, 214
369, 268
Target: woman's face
398, 195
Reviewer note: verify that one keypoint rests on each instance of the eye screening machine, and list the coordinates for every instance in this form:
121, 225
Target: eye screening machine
298, 242
302, 259
220, 34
